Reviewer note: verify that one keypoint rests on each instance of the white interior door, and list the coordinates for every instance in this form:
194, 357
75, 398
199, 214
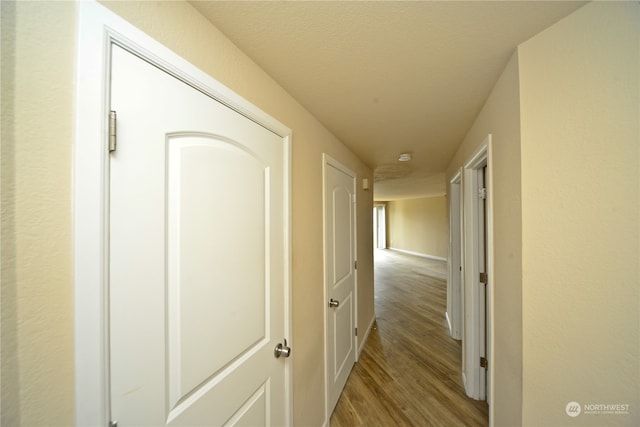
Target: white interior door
340, 276
197, 257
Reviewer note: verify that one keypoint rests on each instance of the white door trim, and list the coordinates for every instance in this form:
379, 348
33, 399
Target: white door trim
327, 160
474, 375
455, 260
97, 29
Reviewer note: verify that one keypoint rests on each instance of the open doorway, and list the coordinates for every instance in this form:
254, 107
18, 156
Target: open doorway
379, 227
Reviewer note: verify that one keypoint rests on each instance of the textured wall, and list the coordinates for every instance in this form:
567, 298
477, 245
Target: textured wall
564, 118
580, 87
9, 400
37, 291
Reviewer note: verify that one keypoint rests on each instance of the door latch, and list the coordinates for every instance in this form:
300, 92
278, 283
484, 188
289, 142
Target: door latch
282, 350
333, 303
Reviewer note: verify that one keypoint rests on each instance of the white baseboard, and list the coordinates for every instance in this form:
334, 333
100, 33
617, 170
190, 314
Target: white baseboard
418, 254
362, 342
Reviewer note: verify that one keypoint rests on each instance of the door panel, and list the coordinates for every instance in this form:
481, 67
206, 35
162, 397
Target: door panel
342, 245
197, 257
340, 275
343, 335
199, 232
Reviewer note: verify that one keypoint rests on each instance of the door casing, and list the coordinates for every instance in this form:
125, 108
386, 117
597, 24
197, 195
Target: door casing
455, 272
477, 383
97, 29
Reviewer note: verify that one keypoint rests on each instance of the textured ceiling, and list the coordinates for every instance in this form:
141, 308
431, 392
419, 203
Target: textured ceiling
388, 77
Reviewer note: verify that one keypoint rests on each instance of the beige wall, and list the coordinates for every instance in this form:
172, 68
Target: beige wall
37, 291
419, 225
500, 117
580, 87
566, 256
565, 123
37, 135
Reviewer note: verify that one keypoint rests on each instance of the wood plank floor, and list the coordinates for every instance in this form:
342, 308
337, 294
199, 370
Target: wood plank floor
409, 371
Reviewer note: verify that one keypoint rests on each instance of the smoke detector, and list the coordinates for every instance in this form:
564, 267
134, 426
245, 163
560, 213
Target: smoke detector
404, 157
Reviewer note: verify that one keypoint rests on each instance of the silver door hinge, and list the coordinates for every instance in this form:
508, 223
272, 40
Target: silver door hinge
482, 193
113, 423
355, 265
356, 331
484, 363
484, 278
112, 131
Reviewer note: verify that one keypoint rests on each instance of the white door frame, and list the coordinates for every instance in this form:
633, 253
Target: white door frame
97, 29
330, 161
455, 267
475, 380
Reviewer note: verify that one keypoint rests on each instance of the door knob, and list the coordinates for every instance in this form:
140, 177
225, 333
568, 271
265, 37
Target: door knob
333, 303
282, 350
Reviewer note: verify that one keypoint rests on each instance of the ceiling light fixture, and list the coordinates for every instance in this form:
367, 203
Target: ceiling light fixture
404, 157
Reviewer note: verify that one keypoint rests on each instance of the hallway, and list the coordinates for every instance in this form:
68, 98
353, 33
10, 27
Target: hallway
409, 371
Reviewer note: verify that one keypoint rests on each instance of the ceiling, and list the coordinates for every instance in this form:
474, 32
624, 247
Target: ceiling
388, 77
